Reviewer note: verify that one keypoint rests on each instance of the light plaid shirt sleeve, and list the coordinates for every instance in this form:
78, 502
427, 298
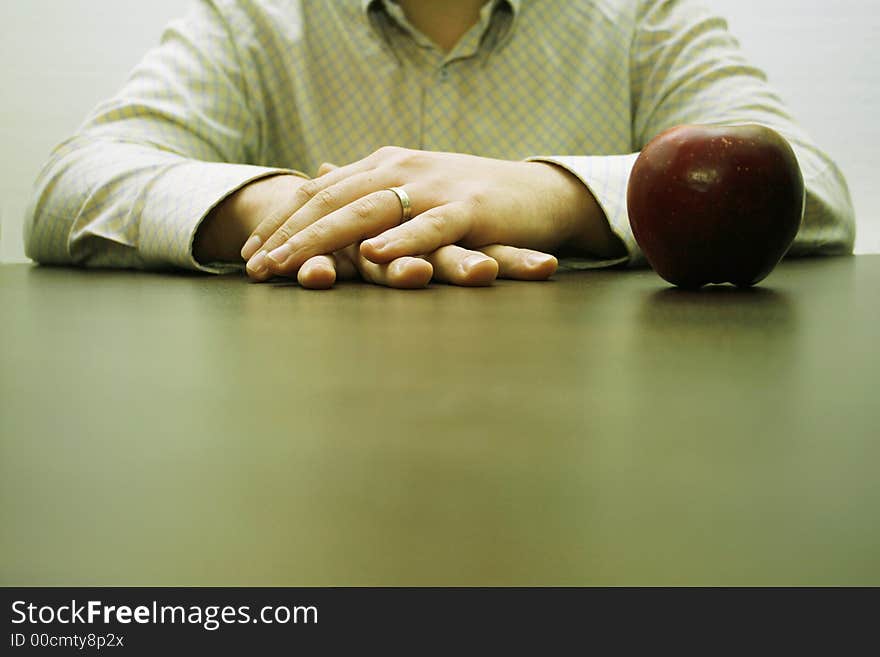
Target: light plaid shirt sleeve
242, 89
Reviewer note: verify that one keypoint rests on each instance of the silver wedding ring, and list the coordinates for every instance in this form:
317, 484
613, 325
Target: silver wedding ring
405, 204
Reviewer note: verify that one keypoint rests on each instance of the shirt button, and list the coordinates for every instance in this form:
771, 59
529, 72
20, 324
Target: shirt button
444, 74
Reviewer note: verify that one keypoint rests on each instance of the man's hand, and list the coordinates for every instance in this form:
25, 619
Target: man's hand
456, 199
271, 200
448, 264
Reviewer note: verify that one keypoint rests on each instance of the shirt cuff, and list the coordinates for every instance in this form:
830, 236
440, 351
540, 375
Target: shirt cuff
606, 176
179, 202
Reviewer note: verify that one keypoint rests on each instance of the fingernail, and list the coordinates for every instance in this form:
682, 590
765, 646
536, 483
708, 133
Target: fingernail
377, 243
474, 261
250, 247
257, 264
538, 261
279, 255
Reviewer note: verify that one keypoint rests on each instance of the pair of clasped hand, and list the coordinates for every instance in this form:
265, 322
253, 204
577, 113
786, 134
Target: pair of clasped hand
473, 219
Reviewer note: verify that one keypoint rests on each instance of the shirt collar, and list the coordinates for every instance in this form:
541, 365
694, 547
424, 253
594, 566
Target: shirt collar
514, 5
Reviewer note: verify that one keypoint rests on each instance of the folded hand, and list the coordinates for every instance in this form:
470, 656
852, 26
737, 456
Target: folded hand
463, 200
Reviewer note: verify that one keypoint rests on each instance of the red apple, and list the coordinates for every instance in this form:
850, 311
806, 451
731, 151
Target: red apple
710, 204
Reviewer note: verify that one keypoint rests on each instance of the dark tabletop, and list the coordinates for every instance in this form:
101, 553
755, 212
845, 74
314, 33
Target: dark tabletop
600, 428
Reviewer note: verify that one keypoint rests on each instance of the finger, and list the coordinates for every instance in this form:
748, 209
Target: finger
521, 264
325, 202
321, 272
346, 267
405, 273
311, 201
257, 267
425, 233
273, 206
459, 266
258, 241
322, 196
318, 273
365, 217
326, 167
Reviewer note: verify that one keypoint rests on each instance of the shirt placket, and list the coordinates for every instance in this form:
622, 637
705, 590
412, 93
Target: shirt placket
439, 75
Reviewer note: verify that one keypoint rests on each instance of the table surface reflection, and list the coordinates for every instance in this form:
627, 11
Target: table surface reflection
601, 428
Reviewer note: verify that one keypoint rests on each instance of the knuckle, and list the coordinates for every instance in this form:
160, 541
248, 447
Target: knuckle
387, 152
399, 157
307, 191
284, 233
364, 208
319, 233
478, 200
325, 200
435, 224
406, 157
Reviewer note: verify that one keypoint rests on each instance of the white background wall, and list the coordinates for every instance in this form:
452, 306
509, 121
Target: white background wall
58, 58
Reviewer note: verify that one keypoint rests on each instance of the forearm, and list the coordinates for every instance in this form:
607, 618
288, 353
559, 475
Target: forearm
132, 187
578, 223
828, 226
225, 229
88, 201
594, 188
105, 204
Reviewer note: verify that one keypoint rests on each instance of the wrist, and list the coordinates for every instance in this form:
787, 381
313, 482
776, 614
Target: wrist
578, 220
227, 226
